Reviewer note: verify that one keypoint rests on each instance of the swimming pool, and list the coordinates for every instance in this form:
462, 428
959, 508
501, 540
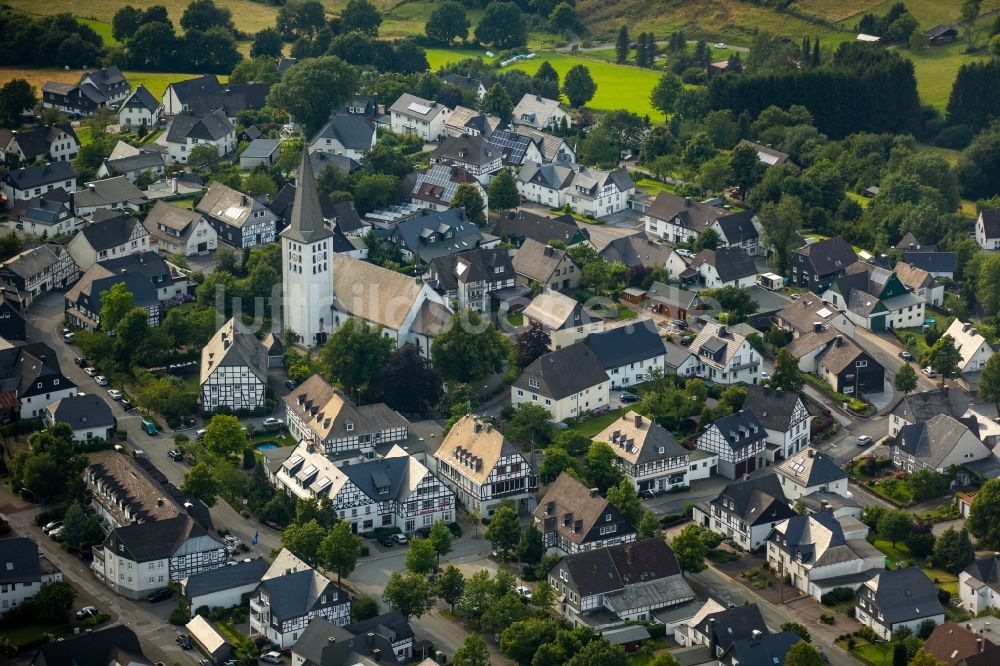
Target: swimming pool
266, 446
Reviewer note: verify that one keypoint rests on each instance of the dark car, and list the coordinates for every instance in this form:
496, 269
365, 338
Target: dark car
126, 404
184, 642
686, 341
175, 455
81, 362
385, 540
158, 595
906, 356
290, 384
629, 397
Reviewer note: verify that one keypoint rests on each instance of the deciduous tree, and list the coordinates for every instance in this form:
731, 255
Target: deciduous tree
447, 23
312, 88
786, 376
624, 497
602, 473
200, 482
534, 341
944, 357
409, 593
472, 653
420, 556
556, 461
497, 102
503, 192
450, 586
470, 350
804, 654
224, 435
502, 26
529, 424
304, 540
665, 93
504, 530
340, 549
468, 198
408, 382
895, 525
690, 549
266, 42
362, 16
906, 379
355, 354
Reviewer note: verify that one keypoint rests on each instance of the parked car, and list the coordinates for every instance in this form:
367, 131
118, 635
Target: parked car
400, 538
524, 591
905, 355
764, 376
101, 380
127, 404
684, 252
864, 440
80, 361
720, 45
629, 397
149, 426
51, 526
290, 384
158, 595
68, 338
184, 641
57, 534
271, 657
271, 422
115, 394
175, 455
679, 324
86, 611
199, 434
91, 372
385, 540
929, 371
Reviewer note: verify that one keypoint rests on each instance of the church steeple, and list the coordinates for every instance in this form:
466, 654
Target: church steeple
306, 225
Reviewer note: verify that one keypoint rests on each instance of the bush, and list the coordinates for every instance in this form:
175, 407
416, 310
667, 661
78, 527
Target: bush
203, 610
827, 619
47, 516
95, 620
455, 529
179, 617
837, 595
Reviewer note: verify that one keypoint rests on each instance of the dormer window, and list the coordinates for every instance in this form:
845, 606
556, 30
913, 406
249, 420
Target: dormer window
532, 383
607, 518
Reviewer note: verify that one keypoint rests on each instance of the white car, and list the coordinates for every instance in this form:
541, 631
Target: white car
271, 657
115, 394
91, 372
400, 538
101, 380
51, 526
524, 591
86, 611
929, 371
720, 45
684, 252
864, 440
68, 337
271, 422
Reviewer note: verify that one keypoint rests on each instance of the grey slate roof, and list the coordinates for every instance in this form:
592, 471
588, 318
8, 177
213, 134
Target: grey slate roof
321, 160
733, 624
351, 131
479, 265
261, 148
523, 224
459, 81
108, 191
564, 372
740, 429
306, 224
768, 650
117, 644
986, 570
829, 256
19, 561
689, 214
758, 500
738, 227
110, 233
926, 405
931, 441
188, 88
225, 578
933, 262
605, 570
415, 233
626, 344
295, 594
991, 222
141, 98
43, 174
636, 250
155, 539
146, 159
811, 468
466, 149
731, 263
905, 594
772, 407
83, 411
210, 127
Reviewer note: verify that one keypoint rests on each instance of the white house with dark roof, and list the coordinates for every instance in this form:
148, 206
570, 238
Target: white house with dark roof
233, 370
51, 143
586, 191
678, 219
484, 469
23, 571
573, 519
784, 417
810, 314
346, 134
260, 152
979, 584
810, 471
898, 598
724, 267
741, 229
47, 215
987, 229
938, 444
608, 587
137, 559
89, 416
718, 628
414, 115
239, 220
641, 250
973, 347
140, 109
29, 182
745, 511
740, 442
464, 120
423, 238
724, 356
132, 165
647, 453
551, 148
629, 353
818, 264
38, 270
96, 89
178, 96
435, 187
820, 552
567, 382
540, 113
386, 638
472, 153
115, 236
117, 193
563, 318
549, 266
179, 230
472, 277
875, 298
223, 587
923, 406
186, 132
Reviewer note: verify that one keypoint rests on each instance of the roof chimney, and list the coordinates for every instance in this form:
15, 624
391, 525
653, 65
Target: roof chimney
840, 340
638, 420
755, 636
628, 553
594, 492
979, 644
713, 642
812, 453
331, 639
818, 326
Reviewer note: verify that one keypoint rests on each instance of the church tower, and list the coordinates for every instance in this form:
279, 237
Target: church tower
307, 264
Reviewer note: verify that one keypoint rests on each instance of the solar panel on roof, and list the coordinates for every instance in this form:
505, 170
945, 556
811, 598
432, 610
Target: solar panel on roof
512, 145
422, 109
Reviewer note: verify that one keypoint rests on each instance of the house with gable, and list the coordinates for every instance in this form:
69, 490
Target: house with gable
414, 115
347, 134
46, 215
117, 194
897, 598
573, 519
921, 283
678, 219
760, 649
517, 226
111, 236
932, 261
784, 417
973, 347
484, 469
987, 229
540, 113
96, 89
979, 584
816, 265
647, 453
810, 471
51, 143
607, 587
938, 444
810, 314
739, 441
386, 638
718, 627
954, 644
551, 267
423, 238
25, 569
179, 95
553, 149
563, 318
629, 353
29, 182
140, 109
472, 153
178, 230
471, 278
741, 229
724, 356
839, 361
724, 267
44, 268
233, 370
467, 83
186, 132
464, 120
570, 381
923, 406
88, 416
239, 220
517, 149
745, 511
435, 188
875, 299
133, 164
641, 250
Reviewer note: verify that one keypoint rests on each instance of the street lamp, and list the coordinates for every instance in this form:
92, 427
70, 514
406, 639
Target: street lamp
34, 498
483, 391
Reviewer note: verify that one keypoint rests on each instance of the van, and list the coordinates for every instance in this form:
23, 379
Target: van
149, 426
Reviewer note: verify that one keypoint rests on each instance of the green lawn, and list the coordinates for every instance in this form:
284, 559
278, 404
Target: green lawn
590, 427
654, 186
20, 634
936, 69
438, 57
900, 553
102, 28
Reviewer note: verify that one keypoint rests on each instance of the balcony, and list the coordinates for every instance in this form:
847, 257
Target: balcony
745, 366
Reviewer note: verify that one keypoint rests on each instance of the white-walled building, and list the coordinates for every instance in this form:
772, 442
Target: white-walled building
114, 236
414, 115
233, 370
971, 344
563, 318
784, 417
239, 220
898, 598
647, 454
567, 382
187, 132
988, 229
979, 584
575, 519
23, 571
225, 587
178, 230
724, 356
540, 113
745, 511
140, 109
937, 444
630, 354
586, 191
810, 471
739, 440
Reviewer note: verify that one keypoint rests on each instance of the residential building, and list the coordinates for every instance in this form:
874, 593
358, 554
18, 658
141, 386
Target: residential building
396, 490
471, 278
24, 571
647, 454
516, 148
115, 646
641, 250
48, 215
149, 162
936, 264
875, 299
719, 628
739, 440
29, 182
810, 314
321, 160
741, 230
573, 519
13, 323
174, 230
30, 381
51, 143
208, 640
283, 605
465, 83
414, 115
95, 90
39, 270
140, 110
784, 417
673, 302
112, 237
979, 584
923, 406
724, 356
117, 194
810, 471
586, 191
680, 219
745, 511
239, 220
178, 96
435, 188
472, 153
955, 645
563, 318
322, 416
629, 353
988, 229
548, 266
88, 416
381, 639
225, 587
567, 382
517, 226
816, 265
232, 99
551, 148
607, 587
921, 283
233, 370
839, 361
484, 469
768, 155
898, 598
725, 267
820, 552
139, 558
540, 113
346, 134
938, 444
124, 492
426, 237
973, 347
186, 132
464, 120
260, 152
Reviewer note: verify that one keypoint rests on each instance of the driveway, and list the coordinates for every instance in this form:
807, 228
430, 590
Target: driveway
885, 349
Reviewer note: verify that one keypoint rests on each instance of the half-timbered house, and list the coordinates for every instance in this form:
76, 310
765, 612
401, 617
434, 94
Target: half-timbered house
647, 453
739, 440
573, 519
484, 469
233, 369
